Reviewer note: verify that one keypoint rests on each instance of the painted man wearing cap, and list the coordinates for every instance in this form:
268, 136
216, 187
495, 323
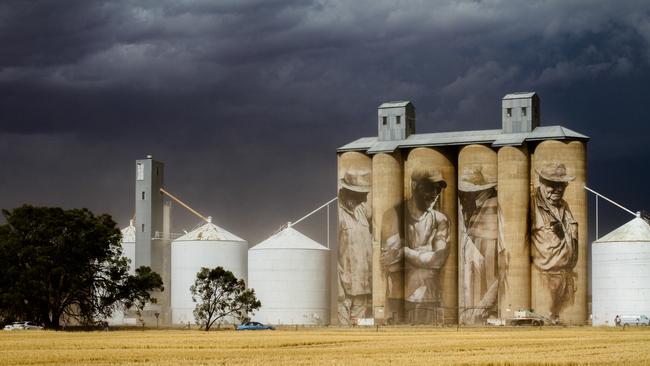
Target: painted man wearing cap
478, 251
355, 247
426, 246
555, 236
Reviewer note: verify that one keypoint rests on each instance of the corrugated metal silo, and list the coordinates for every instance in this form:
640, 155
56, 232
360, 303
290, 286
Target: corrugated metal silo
128, 245
514, 205
559, 231
430, 248
206, 246
478, 234
621, 273
290, 275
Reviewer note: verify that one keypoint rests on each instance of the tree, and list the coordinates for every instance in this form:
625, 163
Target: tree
219, 294
69, 262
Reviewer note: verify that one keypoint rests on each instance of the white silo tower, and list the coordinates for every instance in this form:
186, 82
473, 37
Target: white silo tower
128, 250
290, 275
621, 273
128, 245
206, 246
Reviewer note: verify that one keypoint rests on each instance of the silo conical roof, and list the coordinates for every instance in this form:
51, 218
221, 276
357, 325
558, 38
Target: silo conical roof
289, 238
128, 234
636, 230
209, 231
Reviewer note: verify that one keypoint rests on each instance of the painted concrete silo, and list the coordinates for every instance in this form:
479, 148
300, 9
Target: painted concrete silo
621, 273
290, 275
387, 211
514, 206
478, 234
353, 267
206, 246
559, 231
430, 232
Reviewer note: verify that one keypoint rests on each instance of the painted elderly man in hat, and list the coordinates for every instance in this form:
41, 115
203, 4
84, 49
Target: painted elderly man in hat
555, 236
478, 249
355, 247
426, 246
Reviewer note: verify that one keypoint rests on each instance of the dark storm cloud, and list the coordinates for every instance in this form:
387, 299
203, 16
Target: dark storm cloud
246, 101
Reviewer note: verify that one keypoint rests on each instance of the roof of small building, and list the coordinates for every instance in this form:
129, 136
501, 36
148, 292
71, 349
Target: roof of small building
209, 231
289, 238
519, 95
394, 104
637, 230
493, 137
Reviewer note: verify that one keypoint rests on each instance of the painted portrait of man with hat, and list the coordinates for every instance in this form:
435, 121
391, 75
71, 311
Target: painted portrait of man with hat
554, 236
426, 231
478, 245
355, 247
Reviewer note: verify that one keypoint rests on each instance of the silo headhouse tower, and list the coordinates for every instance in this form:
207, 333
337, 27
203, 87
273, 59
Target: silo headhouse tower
462, 227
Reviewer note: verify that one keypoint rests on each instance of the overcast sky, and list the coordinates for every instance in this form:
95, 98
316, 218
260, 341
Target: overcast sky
247, 101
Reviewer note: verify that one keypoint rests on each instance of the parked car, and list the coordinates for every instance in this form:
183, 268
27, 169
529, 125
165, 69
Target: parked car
254, 326
22, 326
638, 319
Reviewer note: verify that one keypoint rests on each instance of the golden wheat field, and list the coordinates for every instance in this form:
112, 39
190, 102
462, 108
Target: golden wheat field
331, 346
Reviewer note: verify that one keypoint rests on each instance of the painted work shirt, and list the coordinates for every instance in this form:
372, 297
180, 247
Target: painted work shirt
425, 253
355, 250
554, 236
478, 253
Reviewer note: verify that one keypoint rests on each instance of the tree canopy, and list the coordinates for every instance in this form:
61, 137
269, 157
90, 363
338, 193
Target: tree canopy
219, 294
57, 262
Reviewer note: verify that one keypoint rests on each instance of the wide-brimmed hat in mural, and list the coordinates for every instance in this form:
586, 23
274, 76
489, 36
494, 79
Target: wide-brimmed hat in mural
473, 180
356, 181
428, 173
554, 172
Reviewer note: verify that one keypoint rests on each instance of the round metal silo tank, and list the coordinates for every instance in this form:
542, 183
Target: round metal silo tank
478, 235
352, 268
514, 206
430, 237
290, 275
206, 246
128, 246
387, 237
559, 231
621, 273
128, 251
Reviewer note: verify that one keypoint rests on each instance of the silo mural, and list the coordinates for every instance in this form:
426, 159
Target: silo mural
388, 234
354, 267
514, 196
430, 275
558, 231
478, 234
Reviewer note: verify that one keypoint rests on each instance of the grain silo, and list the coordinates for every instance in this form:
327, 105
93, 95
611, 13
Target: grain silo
128, 246
354, 245
559, 231
290, 275
120, 316
478, 238
505, 161
430, 250
206, 246
621, 273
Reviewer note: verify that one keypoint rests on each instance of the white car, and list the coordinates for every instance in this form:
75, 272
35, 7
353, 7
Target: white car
22, 326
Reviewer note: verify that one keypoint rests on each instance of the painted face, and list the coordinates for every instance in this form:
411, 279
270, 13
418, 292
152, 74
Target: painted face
352, 199
553, 191
425, 192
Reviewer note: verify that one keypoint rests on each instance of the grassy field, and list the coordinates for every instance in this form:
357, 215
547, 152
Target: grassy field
394, 346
